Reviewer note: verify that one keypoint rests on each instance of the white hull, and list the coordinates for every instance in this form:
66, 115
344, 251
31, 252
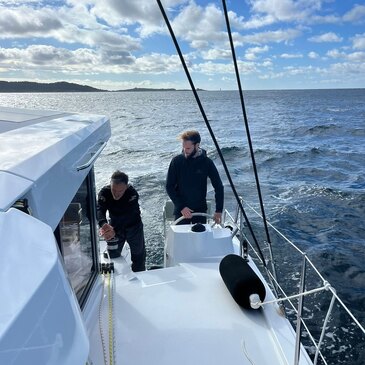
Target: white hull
58, 307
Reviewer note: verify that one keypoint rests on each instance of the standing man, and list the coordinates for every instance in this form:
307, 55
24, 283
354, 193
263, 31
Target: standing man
121, 201
187, 177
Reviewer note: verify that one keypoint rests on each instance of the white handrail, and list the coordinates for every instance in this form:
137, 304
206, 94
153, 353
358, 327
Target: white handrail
325, 287
311, 264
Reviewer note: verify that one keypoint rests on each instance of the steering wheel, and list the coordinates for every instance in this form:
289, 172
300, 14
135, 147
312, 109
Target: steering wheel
197, 214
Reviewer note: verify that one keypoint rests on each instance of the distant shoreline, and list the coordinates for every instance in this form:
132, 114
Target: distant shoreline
32, 87
67, 87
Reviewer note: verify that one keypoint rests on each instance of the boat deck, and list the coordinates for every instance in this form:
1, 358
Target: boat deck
186, 315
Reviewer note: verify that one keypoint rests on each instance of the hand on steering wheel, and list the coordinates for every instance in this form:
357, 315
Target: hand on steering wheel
178, 220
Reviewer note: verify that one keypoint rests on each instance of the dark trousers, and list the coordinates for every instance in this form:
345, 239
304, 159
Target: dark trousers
135, 238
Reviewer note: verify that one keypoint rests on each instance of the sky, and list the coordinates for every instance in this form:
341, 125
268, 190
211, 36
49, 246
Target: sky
123, 44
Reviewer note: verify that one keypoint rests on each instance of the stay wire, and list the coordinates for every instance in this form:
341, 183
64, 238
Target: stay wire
249, 140
209, 128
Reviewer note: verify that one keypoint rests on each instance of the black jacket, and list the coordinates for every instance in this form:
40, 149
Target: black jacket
186, 183
123, 213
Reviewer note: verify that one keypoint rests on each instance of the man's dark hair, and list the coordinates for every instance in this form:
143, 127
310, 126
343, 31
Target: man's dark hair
192, 136
119, 177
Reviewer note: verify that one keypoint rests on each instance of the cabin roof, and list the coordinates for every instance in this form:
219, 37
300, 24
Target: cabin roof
32, 142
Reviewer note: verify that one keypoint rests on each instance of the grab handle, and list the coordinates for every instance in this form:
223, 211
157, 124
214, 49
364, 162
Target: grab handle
94, 156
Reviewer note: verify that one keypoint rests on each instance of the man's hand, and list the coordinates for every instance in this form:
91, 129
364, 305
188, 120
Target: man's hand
217, 217
107, 232
186, 212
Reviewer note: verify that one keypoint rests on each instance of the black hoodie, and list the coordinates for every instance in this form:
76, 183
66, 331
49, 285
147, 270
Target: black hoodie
186, 183
123, 213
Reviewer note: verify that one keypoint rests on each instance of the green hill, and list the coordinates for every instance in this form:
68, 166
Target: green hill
35, 87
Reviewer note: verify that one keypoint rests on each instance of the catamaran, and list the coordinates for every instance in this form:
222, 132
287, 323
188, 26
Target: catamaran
216, 299
64, 303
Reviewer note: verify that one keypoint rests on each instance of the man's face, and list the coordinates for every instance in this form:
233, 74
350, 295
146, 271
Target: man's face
118, 190
189, 148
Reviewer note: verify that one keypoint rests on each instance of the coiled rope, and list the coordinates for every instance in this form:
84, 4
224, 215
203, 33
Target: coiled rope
107, 281
101, 322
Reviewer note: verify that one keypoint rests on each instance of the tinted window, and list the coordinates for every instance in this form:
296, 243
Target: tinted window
77, 239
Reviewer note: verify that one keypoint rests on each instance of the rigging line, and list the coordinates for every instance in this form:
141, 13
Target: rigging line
249, 140
209, 128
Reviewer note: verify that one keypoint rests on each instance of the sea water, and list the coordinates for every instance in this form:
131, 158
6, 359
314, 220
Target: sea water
309, 150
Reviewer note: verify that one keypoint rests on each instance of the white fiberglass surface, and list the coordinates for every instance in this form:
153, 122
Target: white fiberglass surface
185, 315
40, 321
14, 187
19, 145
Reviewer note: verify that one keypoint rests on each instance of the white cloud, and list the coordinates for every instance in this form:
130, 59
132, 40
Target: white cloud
313, 55
216, 54
62, 25
267, 63
334, 53
358, 42
86, 60
107, 38
276, 36
24, 22
267, 12
356, 14
288, 55
251, 53
347, 68
210, 68
326, 37
200, 26
355, 57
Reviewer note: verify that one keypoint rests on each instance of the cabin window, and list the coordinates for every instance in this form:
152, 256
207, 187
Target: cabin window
78, 241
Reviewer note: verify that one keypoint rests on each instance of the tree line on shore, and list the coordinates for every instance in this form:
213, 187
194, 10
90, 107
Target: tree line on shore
62, 86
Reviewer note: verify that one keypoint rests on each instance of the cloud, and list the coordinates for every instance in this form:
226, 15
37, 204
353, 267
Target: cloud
356, 14
288, 56
358, 42
117, 13
201, 27
23, 22
313, 55
276, 36
251, 53
216, 54
334, 53
355, 57
348, 69
62, 25
86, 60
266, 12
326, 37
211, 68
114, 38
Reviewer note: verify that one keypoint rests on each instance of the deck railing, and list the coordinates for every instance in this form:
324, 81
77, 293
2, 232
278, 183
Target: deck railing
303, 327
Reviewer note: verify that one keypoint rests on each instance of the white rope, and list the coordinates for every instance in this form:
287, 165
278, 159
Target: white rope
326, 286
109, 321
246, 352
101, 324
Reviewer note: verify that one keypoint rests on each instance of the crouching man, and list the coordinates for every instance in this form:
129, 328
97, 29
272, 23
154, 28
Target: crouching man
120, 200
